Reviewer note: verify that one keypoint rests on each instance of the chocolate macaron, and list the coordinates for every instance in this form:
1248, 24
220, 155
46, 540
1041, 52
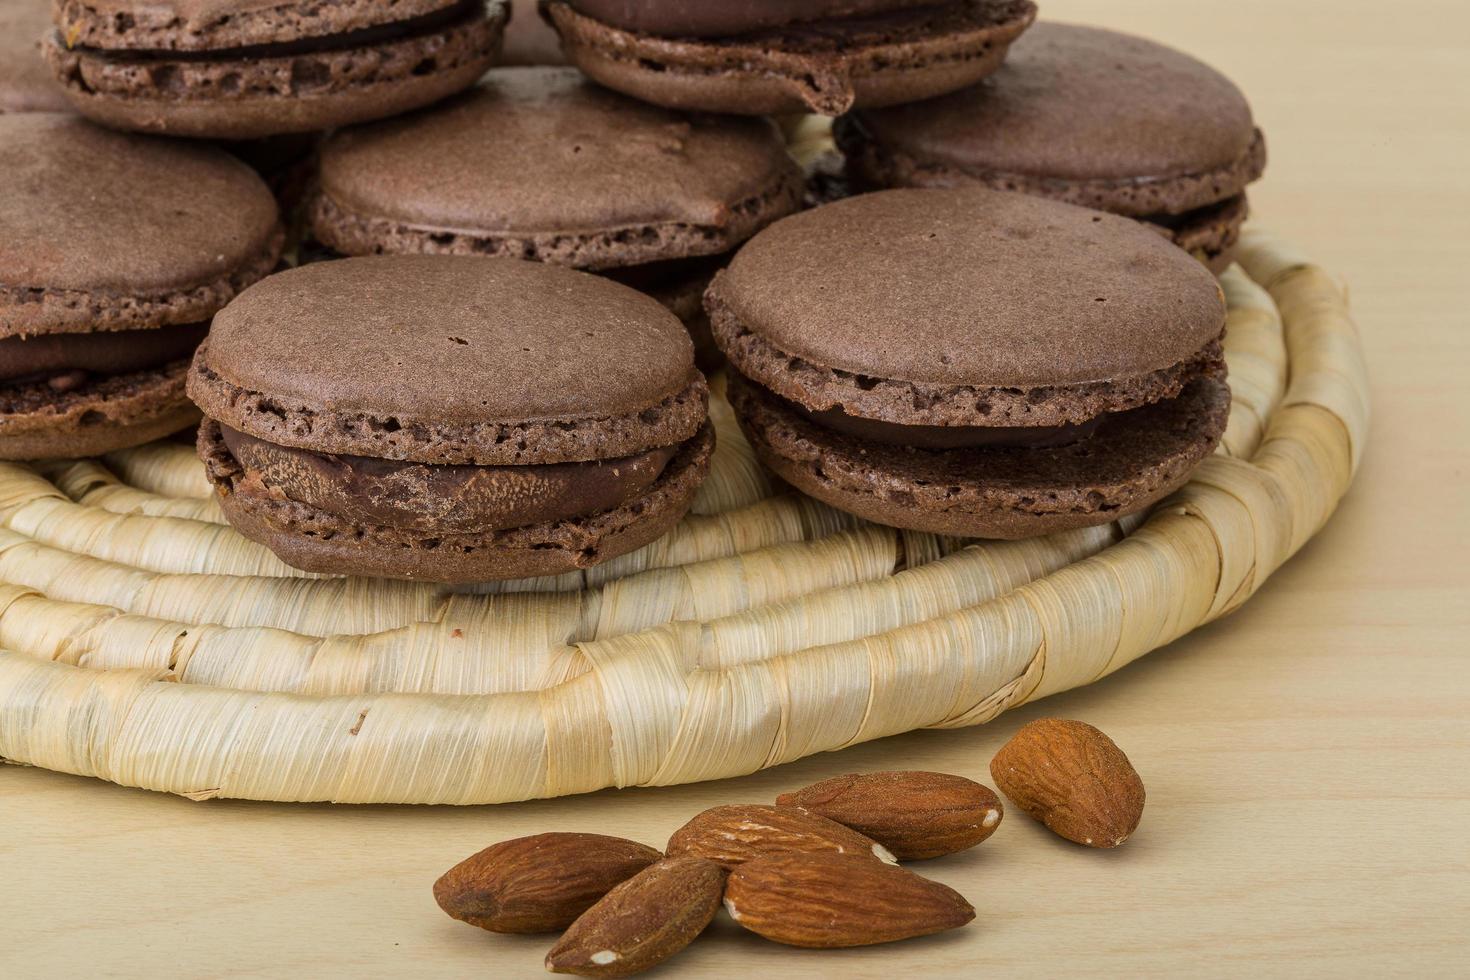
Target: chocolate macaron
973, 362
26, 84
768, 56
1093, 117
539, 163
243, 69
486, 418
115, 252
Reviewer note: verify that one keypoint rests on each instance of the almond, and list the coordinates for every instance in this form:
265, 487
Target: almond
914, 814
829, 900
643, 921
730, 835
1072, 778
540, 883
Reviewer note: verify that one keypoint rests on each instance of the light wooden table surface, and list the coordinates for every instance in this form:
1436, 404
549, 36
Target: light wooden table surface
1307, 759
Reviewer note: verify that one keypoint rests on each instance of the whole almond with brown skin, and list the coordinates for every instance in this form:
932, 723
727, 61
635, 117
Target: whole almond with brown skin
1072, 778
540, 883
730, 835
825, 901
914, 814
643, 921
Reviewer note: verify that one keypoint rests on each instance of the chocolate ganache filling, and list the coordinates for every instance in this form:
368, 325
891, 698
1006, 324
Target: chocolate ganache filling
723, 18
67, 360
450, 498
939, 438
362, 37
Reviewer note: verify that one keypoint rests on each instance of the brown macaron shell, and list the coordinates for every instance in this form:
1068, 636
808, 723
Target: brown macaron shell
1211, 234
108, 231
110, 413
970, 309
825, 66
412, 383
26, 84
1135, 459
1081, 312
115, 251
318, 540
539, 163
190, 71
215, 25
456, 365
1079, 114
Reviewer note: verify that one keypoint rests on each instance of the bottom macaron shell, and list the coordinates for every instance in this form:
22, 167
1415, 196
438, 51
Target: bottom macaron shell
200, 98
316, 541
927, 56
1210, 234
1135, 459
106, 415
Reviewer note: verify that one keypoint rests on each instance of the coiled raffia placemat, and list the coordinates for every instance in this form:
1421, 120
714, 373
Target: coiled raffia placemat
148, 644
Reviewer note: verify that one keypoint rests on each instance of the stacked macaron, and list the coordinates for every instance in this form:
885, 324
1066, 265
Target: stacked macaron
115, 252
538, 163
761, 56
973, 362
1094, 117
427, 403
241, 69
448, 418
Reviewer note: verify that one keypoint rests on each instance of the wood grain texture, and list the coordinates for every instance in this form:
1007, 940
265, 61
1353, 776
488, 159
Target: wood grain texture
1305, 758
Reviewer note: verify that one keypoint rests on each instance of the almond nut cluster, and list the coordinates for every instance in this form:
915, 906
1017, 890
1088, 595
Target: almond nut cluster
819, 868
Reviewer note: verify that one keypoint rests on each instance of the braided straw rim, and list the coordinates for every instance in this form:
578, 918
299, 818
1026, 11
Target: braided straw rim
148, 644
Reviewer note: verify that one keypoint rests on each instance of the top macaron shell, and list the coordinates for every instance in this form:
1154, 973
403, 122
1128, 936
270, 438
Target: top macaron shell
869, 293
213, 25
118, 231
450, 360
539, 163
1134, 126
